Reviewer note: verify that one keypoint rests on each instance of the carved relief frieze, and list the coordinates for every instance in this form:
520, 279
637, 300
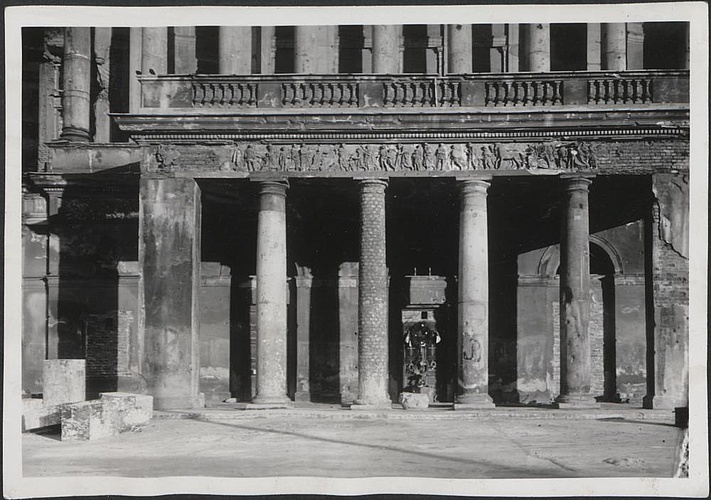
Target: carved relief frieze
251, 157
415, 157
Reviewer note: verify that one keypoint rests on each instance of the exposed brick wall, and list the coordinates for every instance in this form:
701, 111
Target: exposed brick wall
642, 156
107, 343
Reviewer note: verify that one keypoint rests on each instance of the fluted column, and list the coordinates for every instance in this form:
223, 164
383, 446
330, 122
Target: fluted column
459, 57
271, 295
613, 41
538, 47
575, 353
154, 50
235, 50
76, 104
473, 300
372, 298
386, 48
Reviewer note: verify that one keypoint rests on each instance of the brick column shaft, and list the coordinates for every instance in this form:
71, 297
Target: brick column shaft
372, 298
271, 295
575, 351
459, 58
386, 48
473, 300
235, 50
76, 79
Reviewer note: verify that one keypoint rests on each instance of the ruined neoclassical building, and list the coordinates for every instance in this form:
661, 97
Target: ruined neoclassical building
493, 214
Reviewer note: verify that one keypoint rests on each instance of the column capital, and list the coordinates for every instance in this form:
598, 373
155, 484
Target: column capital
576, 182
474, 186
373, 184
274, 187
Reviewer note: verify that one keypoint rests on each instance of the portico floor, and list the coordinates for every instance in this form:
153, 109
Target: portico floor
320, 440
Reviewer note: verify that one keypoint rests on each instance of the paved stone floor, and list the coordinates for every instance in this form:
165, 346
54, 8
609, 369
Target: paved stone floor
350, 444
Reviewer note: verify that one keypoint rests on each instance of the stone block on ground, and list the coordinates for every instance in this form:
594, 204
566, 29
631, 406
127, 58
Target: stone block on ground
63, 381
89, 420
133, 409
36, 415
414, 401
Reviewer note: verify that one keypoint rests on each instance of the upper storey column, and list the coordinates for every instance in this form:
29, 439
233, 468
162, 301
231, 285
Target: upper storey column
575, 353
76, 79
271, 295
386, 48
460, 48
235, 50
538, 47
316, 49
473, 302
372, 298
154, 50
613, 41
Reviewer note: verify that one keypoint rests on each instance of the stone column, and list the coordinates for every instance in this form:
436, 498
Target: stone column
185, 59
76, 101
593, 47
102, 50
154, 50
386, 48
315, 49
271, 296
235, 50
538, 45
169, 256
268, 50
372, 299
303, 334
575, 354
459, 58
135, 61
635, 46
473, 300
613, 41
513, 54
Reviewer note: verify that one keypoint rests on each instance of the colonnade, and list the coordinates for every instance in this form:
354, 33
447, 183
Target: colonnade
610, 47
170, 280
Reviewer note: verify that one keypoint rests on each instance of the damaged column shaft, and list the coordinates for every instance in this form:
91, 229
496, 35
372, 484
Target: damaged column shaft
575, 351
76, 103
372, 298
271, 295
473, 303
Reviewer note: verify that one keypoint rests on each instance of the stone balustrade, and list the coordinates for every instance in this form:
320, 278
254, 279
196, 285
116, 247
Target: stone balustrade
217, 93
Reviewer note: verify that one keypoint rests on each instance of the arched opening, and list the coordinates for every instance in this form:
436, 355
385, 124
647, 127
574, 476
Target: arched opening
602, 267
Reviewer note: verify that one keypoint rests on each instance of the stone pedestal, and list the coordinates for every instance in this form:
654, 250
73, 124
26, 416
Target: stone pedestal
538, 47
133, 409
459, 58
271, 296
613, 46
169, 255
575, 349
88, 420
386, 48
154, 50
235, 50
76, 79
372, 298
63, 381
473, 301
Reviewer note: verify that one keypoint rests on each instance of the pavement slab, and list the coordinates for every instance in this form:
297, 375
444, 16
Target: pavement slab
264, 444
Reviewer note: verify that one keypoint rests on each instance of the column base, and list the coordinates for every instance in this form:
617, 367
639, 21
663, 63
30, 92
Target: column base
473, 402
269, 402
663, 402
302, 396
74, 134
371, 407
575, 401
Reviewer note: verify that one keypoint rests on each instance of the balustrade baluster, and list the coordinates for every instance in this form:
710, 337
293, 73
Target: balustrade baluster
557, 92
